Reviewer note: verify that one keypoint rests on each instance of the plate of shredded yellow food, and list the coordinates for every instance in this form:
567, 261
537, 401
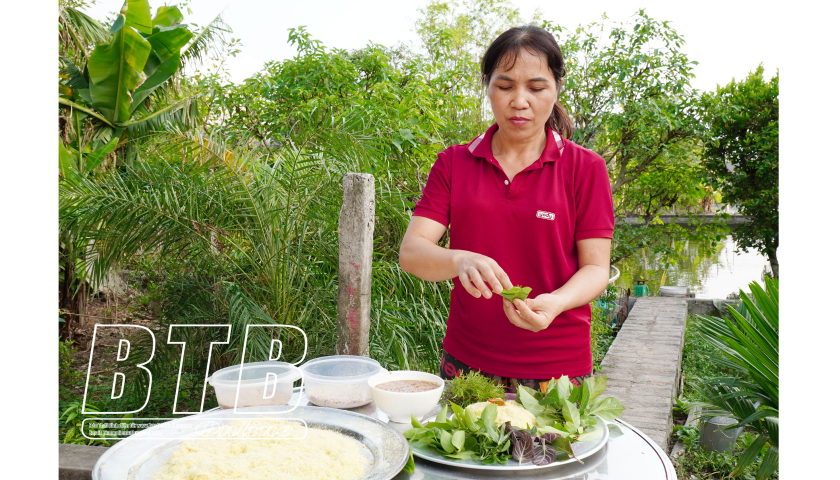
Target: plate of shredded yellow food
259, 443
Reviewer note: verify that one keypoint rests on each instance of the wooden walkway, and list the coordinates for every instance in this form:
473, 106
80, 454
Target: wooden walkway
643, 364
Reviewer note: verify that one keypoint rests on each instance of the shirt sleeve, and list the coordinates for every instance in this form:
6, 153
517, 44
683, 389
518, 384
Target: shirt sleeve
593, 202
437, 194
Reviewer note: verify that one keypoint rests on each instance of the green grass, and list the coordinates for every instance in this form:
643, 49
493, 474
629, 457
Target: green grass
602, 336
698, 464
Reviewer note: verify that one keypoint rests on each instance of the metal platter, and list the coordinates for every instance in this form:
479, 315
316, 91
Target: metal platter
140, 456
581, 449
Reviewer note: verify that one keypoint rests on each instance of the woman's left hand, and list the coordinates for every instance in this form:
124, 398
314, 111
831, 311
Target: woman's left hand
534, 314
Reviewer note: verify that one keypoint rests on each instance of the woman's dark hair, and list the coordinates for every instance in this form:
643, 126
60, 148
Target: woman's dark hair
538, 41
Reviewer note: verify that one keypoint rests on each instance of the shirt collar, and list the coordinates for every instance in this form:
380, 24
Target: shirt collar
481, 146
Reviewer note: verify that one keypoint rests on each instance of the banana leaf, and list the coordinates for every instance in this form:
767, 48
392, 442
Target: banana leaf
166, 16
65, 160
163, 62
115, 70
168, 41
139, 16
95, 158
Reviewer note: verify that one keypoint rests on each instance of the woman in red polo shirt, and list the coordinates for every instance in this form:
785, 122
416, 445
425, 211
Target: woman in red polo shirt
525, 206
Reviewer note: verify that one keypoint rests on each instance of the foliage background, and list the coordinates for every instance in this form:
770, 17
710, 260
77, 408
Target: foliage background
230, 217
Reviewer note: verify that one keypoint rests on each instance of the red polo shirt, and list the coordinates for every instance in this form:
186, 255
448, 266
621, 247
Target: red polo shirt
529, 226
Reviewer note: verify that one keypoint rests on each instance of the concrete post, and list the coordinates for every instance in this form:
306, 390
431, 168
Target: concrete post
355, 263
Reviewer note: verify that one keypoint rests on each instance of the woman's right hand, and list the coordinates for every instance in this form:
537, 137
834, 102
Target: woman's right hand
475, 269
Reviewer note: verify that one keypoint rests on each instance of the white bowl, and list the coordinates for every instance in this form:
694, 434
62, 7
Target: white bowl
339, 381
400, 406
263, 383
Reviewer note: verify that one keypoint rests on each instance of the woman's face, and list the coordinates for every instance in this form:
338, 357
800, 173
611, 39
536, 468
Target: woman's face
523, 97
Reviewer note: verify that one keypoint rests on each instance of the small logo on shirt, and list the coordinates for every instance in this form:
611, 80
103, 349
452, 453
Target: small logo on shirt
545, 215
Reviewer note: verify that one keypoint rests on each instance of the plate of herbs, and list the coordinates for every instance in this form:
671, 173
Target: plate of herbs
571, 424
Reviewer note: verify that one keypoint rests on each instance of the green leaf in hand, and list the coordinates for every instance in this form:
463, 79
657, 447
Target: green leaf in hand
516, 292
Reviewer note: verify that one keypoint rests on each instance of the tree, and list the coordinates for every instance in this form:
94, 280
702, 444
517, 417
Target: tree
629, 96
115, 87
628, 91
742, 156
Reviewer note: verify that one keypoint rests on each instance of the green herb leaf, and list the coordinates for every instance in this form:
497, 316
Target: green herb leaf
446, 441
549, 429
608, 408
471, 420
415, 423
465, 455
409, 466
562, 444
564, 387
518, 291
597, 386
458, 439
528, 401
441, 417
571, 413
488, 416
471, 388
593, 435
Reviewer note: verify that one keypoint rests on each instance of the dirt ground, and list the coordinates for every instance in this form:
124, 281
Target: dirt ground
104, 309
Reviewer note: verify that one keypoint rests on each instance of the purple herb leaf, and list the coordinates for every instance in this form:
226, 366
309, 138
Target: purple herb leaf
522, 448
549, 437
544, 453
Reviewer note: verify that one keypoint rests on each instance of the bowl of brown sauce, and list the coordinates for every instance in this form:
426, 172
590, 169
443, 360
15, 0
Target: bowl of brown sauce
404, 393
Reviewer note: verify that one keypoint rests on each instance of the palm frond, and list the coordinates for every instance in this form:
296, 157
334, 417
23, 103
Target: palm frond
205, 41
183, 113
79, 32
75, 78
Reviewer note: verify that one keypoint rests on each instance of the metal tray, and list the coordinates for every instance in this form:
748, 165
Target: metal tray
581, 449
140, 456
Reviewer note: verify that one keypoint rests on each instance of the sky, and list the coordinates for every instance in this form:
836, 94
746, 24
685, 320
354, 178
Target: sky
728, 39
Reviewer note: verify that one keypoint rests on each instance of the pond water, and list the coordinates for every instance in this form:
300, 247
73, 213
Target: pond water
709, 276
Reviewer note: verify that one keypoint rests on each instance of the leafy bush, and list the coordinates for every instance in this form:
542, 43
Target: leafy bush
748, 342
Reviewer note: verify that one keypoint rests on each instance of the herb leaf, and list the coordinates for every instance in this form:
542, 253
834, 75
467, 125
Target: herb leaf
544, 453
523, 445
446, 441
593, 435
571, 413
518, 291
458, 440
529, 402
608, 408
470, 388
564, 445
